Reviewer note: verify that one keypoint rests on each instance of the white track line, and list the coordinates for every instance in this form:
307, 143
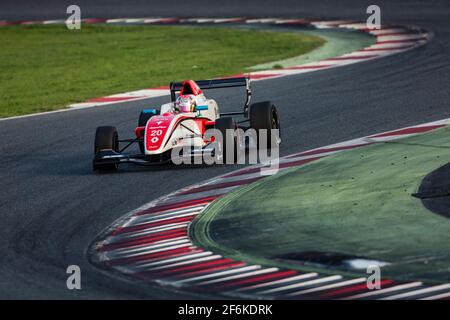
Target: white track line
417, 292
383, 291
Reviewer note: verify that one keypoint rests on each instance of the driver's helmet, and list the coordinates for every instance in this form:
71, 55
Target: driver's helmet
185, 103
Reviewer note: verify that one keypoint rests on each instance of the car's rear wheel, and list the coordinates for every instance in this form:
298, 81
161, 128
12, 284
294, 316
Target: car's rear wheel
142, 122
106, 138
227, 127
264, 115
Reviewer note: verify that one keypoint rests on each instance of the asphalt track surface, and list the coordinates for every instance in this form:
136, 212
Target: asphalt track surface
52, 205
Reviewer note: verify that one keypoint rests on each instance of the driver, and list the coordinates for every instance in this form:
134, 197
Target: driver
185, 103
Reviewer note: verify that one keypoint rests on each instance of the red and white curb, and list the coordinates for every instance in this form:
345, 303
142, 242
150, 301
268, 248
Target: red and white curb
390, 39
152, 244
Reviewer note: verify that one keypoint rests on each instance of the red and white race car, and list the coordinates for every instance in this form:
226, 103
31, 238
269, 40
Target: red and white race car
186, 124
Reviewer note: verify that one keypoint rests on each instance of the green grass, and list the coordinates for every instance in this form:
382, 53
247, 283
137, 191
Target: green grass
357, 202
48, 67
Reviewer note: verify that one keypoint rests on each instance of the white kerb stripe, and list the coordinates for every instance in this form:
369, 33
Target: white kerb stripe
391, 30
153, 230
124, 247
218, 274
162, 244
134, 20
115, 20
269, 20
417, 292
214, 257
301, 284
275, 282
53, 21
139, 219
382, 291
438, 296
330, 286
162, 217
149, 251
181, 258
158, 219
242, 275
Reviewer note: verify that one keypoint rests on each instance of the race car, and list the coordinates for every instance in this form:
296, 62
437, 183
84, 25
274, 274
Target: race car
185, 123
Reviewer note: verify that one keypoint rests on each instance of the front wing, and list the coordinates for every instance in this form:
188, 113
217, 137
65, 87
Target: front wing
106, 157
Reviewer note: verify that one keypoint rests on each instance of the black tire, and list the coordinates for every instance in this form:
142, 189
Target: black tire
223, 124
106, 138
264, 115
143, 119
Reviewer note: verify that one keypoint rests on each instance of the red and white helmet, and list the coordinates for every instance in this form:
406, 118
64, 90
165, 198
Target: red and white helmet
185, 103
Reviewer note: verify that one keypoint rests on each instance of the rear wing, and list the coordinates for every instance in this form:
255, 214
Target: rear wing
217, 84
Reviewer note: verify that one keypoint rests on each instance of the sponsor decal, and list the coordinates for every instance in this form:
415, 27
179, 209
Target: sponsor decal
156, 131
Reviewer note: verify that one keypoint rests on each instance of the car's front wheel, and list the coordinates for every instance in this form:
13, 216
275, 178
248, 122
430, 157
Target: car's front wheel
106, 138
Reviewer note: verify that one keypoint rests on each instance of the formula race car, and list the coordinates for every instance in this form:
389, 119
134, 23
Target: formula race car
184, 123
